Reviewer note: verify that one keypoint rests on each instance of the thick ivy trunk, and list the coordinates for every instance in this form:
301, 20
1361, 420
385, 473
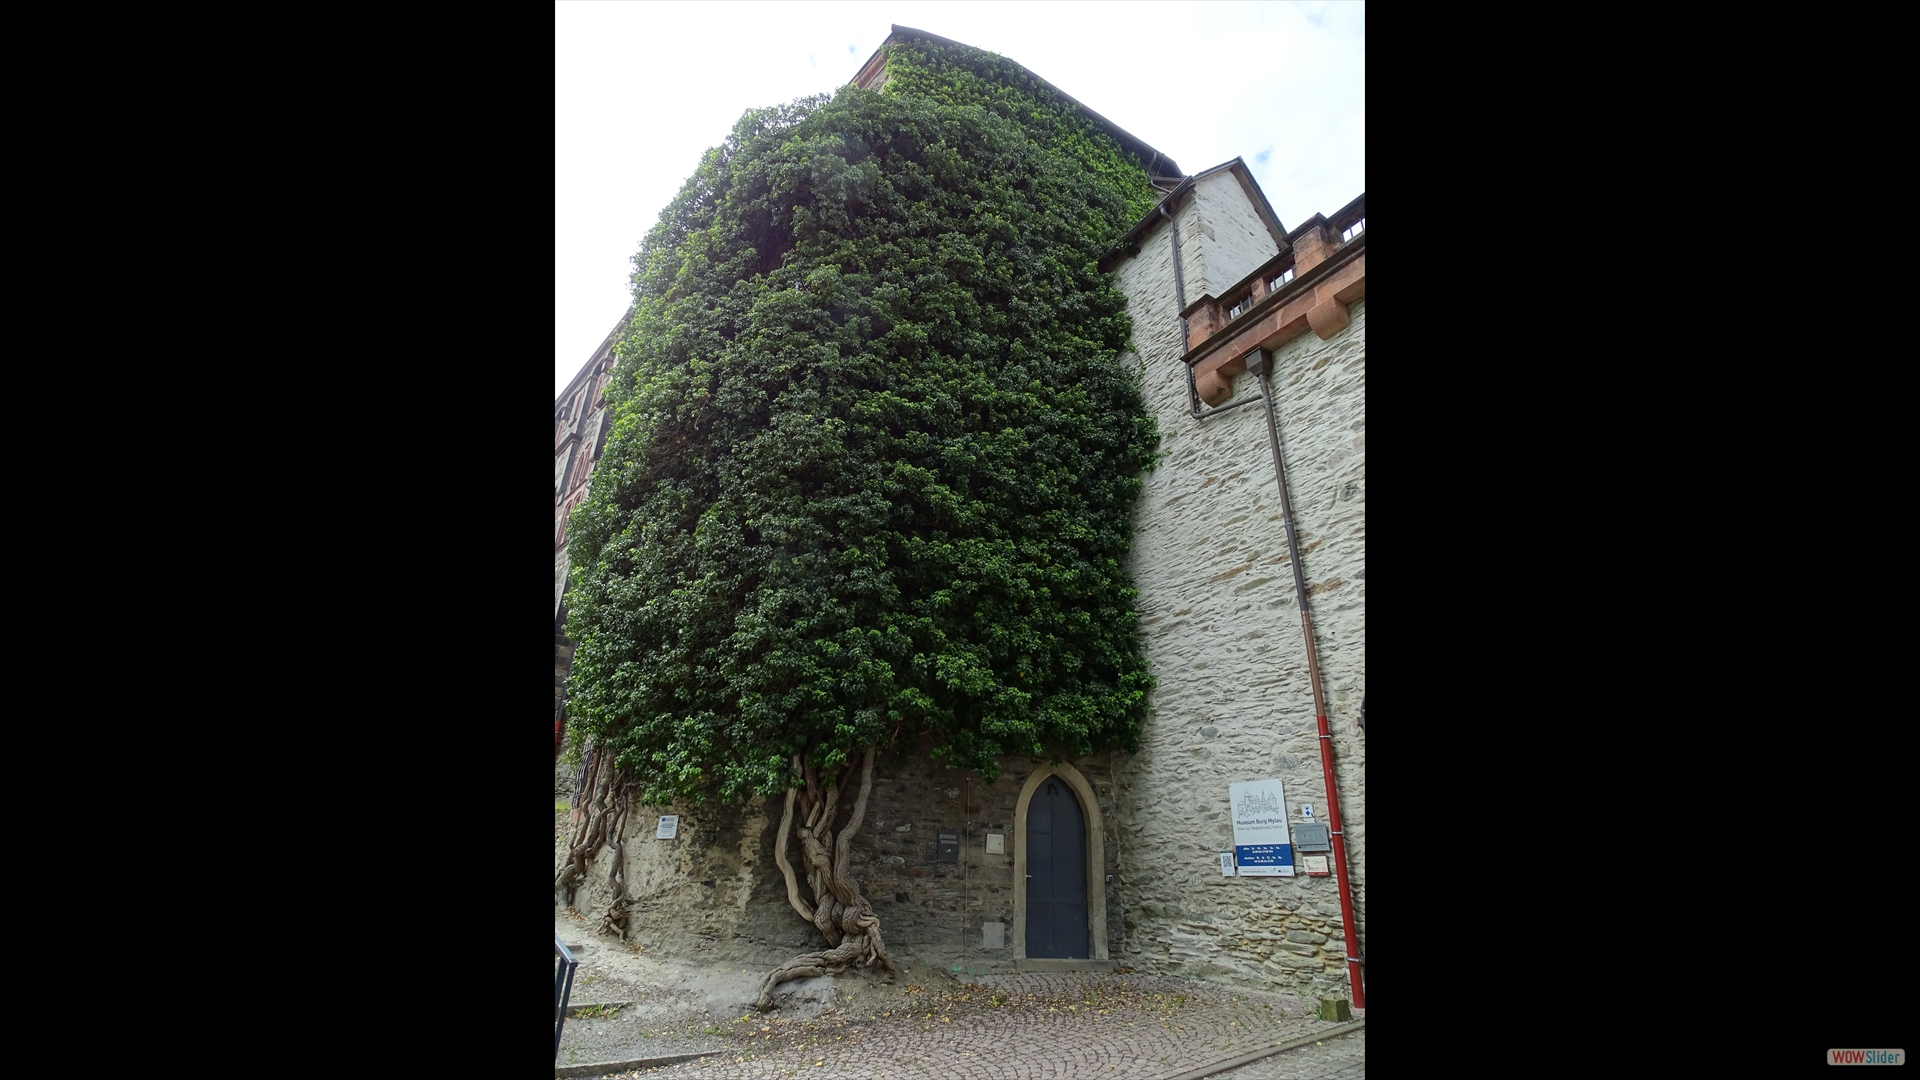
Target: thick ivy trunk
839, 911
600, 805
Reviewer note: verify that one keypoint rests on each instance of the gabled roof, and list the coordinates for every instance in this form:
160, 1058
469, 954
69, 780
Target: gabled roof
1156, 163
1171, 202
579, 379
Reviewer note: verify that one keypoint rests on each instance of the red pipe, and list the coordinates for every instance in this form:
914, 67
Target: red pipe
1333, 820
1261, 364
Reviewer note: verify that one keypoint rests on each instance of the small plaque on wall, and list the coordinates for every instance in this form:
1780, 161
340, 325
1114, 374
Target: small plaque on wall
1312, 836
669, 827
993, 935
996, 843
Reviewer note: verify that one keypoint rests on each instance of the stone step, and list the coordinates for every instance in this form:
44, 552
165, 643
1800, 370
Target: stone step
1051, 964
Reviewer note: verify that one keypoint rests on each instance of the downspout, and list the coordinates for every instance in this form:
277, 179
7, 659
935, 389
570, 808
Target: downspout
1180, 299
1179, 296
1260, 363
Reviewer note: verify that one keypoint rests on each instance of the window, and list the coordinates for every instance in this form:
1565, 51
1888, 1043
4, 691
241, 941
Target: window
1354, 230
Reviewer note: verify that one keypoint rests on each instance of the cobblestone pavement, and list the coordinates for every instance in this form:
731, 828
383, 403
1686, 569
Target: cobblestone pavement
661, 1016
1030, 1027
1343, 1057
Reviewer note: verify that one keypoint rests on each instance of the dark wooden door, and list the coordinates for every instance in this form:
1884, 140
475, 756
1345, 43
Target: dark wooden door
1056, 873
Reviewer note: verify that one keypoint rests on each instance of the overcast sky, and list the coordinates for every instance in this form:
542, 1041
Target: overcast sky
641, 90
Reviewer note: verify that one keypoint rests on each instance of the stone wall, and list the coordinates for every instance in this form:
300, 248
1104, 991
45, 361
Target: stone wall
1225, 233
715, 891
1223, 639
565, 779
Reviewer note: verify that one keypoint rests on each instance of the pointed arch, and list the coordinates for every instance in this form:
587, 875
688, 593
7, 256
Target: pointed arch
1096, 856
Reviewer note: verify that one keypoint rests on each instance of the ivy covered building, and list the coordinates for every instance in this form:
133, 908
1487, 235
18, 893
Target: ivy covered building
579, 436
1114, 857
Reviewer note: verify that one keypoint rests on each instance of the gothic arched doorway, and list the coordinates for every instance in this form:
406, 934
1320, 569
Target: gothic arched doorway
1056, 846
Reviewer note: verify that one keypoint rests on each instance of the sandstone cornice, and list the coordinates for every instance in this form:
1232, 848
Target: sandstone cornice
1315, 299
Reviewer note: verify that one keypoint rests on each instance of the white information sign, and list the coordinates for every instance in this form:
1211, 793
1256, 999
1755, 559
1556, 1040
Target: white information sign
1261, 846
669, 827
1226, 864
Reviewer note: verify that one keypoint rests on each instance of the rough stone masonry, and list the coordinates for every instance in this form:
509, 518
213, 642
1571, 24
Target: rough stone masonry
1222, 630
714, 890
1223, 639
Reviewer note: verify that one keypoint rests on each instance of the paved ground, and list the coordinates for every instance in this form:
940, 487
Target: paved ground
1007, 1027
1343, 1057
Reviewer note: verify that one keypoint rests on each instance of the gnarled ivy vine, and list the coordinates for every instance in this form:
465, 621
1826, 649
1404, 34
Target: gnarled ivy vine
871, 469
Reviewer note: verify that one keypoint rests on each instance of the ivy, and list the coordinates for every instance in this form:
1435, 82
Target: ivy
873, 457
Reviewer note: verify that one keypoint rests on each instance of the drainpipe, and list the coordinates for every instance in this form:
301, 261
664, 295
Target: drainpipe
1180, 298
1260, 363
1193, 392
1179, 293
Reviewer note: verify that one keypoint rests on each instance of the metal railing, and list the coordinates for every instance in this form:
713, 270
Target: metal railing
563, 966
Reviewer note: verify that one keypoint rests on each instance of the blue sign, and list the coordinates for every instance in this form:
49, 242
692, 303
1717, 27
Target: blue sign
1257, 859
